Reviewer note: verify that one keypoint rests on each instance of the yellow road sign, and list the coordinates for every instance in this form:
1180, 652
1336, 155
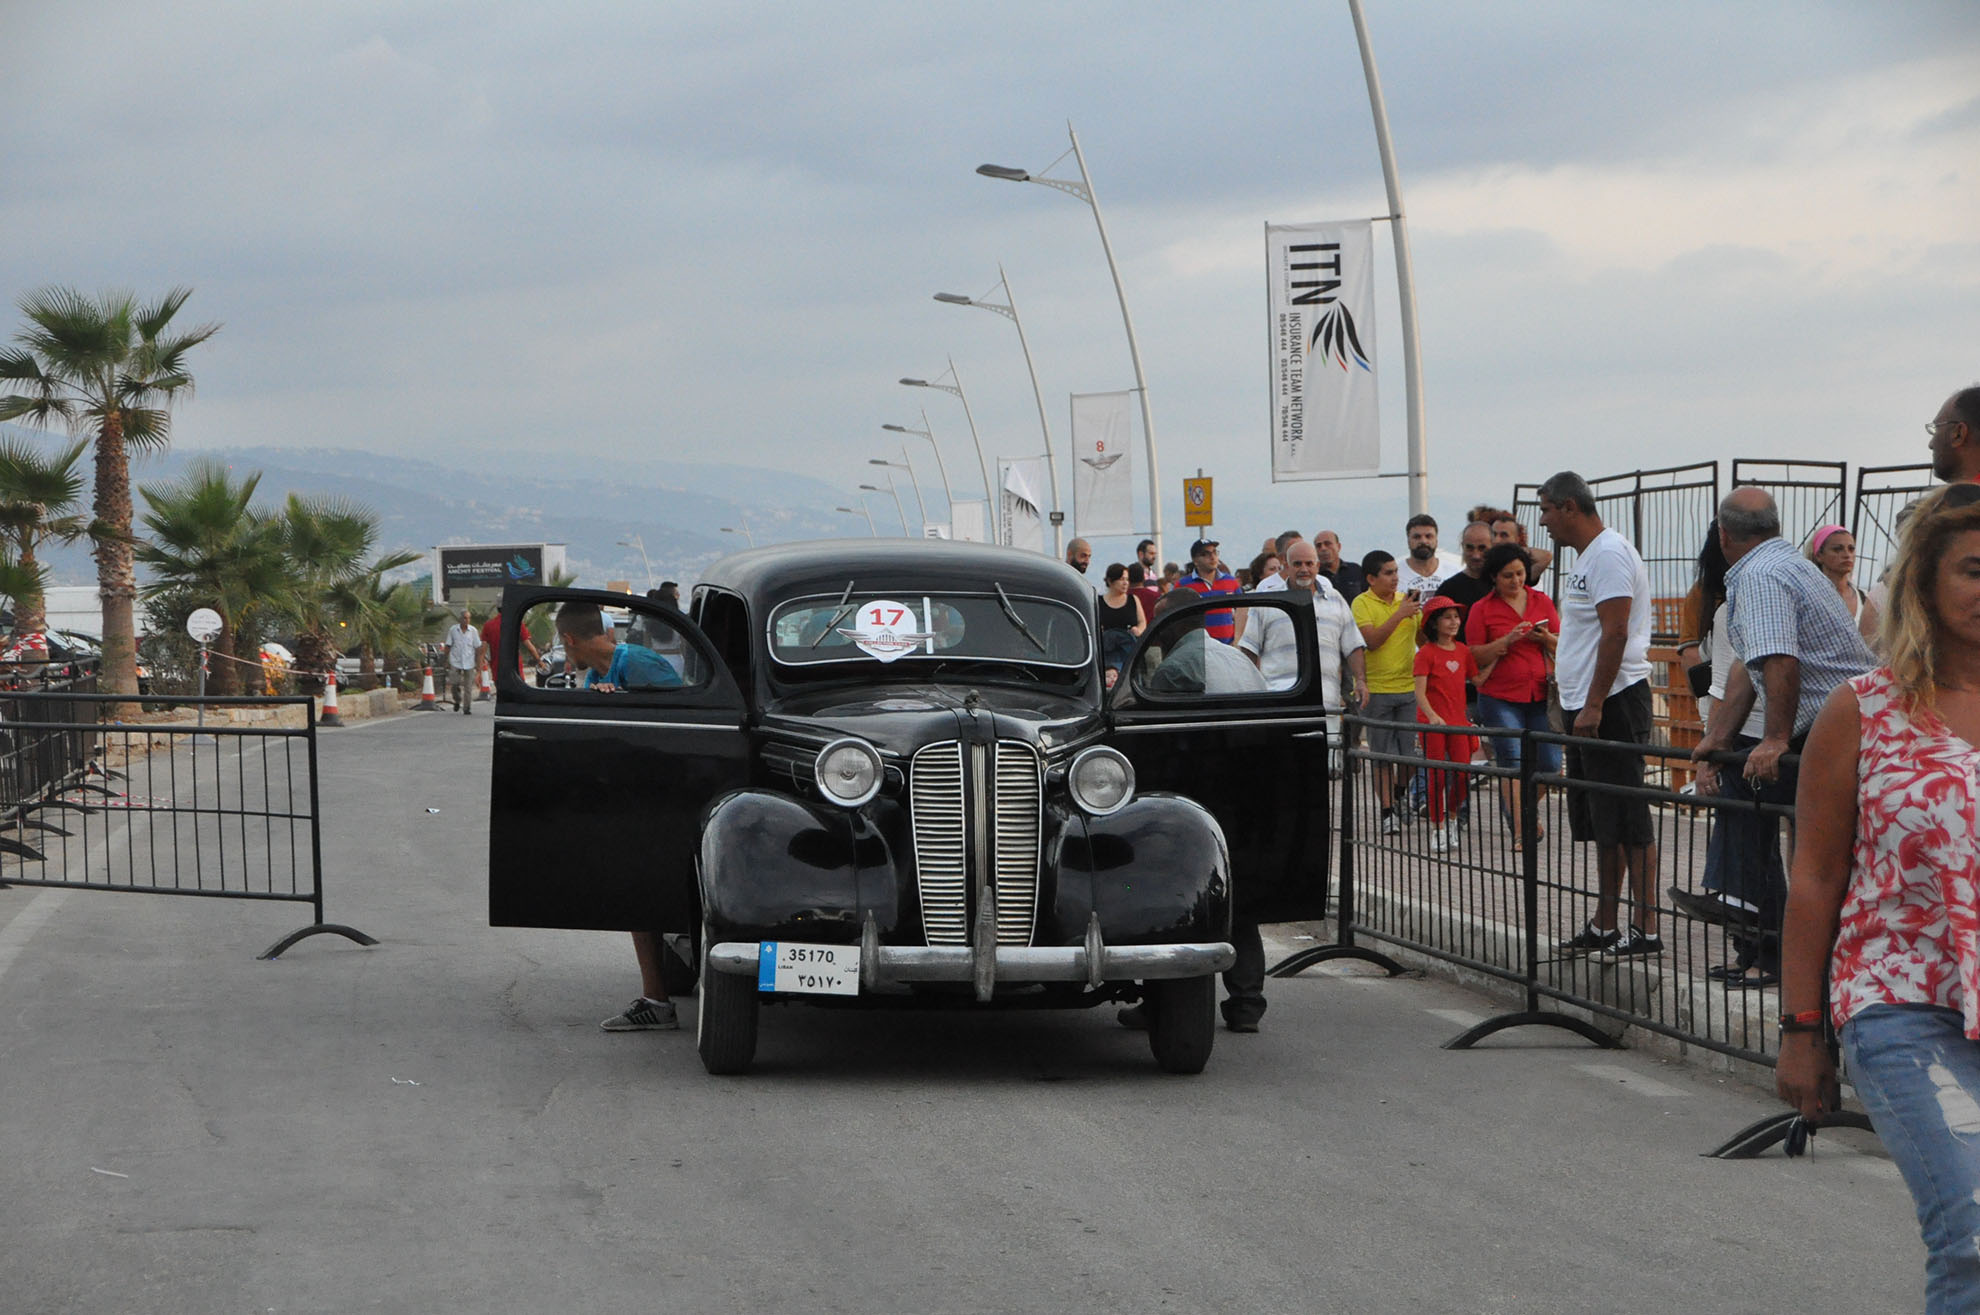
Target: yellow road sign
1196, 501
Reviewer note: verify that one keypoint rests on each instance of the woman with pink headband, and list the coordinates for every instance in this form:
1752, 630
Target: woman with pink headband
1833, 548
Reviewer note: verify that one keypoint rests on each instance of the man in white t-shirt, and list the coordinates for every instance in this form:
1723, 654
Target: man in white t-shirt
1603, 667
1270, 642
1279, 547
463, 662
1424, 568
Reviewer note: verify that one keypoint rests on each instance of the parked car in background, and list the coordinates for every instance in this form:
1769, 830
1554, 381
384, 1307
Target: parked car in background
892, 774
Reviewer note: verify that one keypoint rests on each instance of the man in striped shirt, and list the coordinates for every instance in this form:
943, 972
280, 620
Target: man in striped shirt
1208, 578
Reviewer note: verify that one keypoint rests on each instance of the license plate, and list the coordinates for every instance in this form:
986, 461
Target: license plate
802, 969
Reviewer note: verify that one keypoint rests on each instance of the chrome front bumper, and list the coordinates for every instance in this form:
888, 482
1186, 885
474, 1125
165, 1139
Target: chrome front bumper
986, 963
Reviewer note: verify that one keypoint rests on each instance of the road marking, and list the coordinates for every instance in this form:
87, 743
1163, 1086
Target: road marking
1631, 1081
1460, 1017
26, 923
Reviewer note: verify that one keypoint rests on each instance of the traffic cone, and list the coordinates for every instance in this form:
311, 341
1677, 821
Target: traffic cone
329, 715
487, 685
427, 703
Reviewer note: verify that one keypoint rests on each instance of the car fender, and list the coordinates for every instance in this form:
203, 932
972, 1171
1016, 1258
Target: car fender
776, 867
1158, 870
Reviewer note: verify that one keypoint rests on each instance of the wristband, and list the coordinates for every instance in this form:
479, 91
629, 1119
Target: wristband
1808, 1020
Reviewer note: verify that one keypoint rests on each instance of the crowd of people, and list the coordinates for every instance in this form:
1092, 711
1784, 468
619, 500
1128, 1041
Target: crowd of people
1861, 710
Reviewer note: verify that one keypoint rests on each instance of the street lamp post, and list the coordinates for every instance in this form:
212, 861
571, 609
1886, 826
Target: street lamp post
1083, 189
989, 494
906, 463
941, 466
861, 512
898, 509
1008, 309
640, 543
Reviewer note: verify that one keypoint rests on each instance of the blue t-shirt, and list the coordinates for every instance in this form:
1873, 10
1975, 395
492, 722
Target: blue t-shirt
635, 666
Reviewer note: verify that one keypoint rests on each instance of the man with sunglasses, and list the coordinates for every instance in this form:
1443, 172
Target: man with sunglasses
1955, 438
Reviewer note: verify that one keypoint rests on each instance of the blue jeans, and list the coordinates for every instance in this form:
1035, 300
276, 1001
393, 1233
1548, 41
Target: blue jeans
1518, 717
1743, 855
1919, 1078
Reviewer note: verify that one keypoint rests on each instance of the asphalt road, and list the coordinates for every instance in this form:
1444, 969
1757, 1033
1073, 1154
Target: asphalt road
438, 1124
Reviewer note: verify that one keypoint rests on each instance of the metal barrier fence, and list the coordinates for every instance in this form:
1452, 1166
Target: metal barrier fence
1808, 493
193, 805
1485, 899
1881, 493
1662, 512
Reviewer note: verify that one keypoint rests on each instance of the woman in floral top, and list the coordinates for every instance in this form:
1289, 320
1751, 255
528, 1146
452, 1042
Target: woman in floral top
1884, 892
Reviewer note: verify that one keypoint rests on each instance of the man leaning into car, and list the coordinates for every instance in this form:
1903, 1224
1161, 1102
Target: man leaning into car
610, 667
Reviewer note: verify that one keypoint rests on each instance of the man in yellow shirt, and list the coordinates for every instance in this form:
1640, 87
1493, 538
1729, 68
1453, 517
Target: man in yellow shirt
1388, 621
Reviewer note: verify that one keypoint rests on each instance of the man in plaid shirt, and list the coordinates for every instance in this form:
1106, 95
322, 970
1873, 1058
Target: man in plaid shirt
1795, 642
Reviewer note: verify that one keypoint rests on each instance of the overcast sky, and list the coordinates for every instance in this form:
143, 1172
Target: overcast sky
1644, 234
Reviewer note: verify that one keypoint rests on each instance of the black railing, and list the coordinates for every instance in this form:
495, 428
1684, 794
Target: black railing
214, 798
1506, 901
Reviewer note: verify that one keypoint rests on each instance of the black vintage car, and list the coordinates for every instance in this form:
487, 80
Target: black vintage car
890, 772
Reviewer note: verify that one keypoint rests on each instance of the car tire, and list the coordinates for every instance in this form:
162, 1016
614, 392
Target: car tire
680, 964
1182, 1022
725, 1023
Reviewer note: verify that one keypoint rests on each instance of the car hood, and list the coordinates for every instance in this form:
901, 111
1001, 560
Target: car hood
902, 718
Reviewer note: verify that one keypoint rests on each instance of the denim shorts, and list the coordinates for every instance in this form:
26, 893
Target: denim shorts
1399, 735
1517, 717
1919, 1078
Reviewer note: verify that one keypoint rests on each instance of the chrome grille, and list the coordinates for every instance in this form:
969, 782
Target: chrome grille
935, 813
1017, 808
939, 807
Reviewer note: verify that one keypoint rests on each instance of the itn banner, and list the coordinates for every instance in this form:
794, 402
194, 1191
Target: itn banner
1320, 298
1103, 473
1022, 501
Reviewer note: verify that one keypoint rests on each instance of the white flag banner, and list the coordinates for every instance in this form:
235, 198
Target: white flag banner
1022, 480
1103, 473
1320, 295
972, 524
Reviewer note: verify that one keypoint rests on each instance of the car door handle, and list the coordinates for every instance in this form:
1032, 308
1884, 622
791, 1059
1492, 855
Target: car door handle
513, 735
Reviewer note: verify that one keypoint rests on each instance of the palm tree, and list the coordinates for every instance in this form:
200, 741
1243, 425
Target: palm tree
39, 494
207, 539
394, 619
327, 540
107, 367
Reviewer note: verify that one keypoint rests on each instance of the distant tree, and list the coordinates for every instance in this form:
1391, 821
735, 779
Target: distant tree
328, 541
207, 540
108, 367
40, 492
393, 622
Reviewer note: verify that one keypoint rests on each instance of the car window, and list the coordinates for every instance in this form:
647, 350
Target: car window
1184, 656
920, 627
617, 650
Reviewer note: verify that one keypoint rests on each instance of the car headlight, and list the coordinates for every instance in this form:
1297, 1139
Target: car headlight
1101, 781
849, 772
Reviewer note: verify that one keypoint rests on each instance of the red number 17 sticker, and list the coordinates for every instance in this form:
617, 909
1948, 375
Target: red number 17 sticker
886, 629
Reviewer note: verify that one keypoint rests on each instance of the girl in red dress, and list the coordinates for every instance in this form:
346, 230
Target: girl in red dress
1442, 667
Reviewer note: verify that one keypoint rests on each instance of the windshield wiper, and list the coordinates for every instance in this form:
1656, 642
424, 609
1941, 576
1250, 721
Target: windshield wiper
1017, 620
837, 616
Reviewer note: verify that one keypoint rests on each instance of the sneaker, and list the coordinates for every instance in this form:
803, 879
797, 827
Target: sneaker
1134, 1018
644, 1015
1405, 810
1241, 1024
1637, 945
1440, 839
1589, 940
1390, 826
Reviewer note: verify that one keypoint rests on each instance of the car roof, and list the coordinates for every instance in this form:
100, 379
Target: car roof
768, 576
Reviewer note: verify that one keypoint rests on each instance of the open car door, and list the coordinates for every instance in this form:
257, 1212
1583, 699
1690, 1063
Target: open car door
1196, 718
597, 791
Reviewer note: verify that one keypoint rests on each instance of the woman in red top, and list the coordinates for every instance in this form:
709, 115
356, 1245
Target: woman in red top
1885, 895
1443, 666
1512, 632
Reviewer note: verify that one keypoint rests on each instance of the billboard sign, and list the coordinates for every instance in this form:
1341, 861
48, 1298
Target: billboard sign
487, 568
